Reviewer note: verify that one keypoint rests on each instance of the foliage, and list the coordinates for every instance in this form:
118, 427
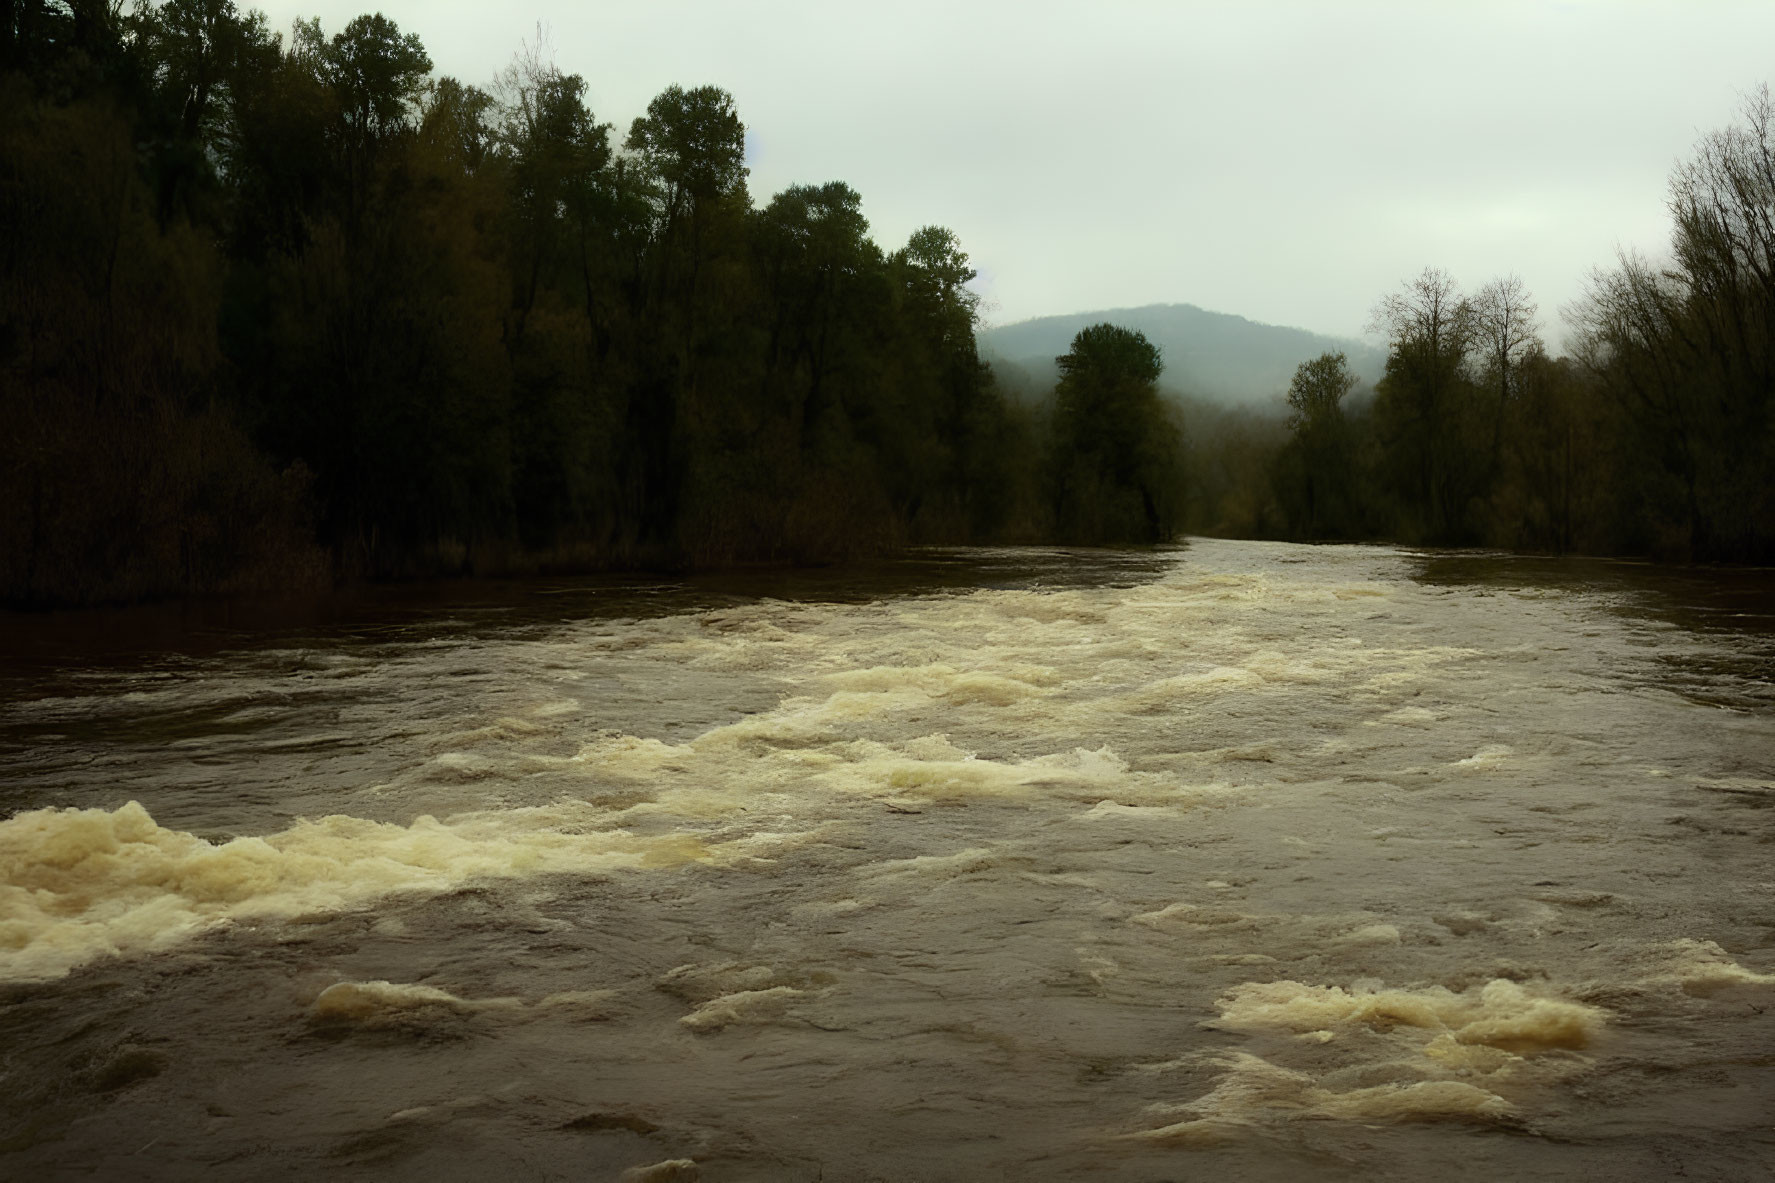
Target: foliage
1315, 469
274, 308
473, 330
120, 475
1113, 467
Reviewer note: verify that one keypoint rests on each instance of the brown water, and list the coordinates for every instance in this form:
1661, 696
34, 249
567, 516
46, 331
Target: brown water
1239, 862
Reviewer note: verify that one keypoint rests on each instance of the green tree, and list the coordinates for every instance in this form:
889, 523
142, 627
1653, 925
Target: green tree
378, 77
1317, 461
558, 181
817, 260
279, 153
379, 74
457, 126
694, 144
1317, 391
466, 327
689, 155
1113, 467
961, 473
557, 154
192, 55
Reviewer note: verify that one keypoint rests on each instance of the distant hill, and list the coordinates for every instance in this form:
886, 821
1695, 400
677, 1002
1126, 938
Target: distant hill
1211, 354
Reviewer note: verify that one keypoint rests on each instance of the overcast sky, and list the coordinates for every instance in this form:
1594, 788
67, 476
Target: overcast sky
1285, 161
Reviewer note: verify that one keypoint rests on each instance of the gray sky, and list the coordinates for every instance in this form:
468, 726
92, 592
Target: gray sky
1285, 161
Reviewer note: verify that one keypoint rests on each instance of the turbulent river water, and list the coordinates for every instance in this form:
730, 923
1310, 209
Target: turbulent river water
1236, 861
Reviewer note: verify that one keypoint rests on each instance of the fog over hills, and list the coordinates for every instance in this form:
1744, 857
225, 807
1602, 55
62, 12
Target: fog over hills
1209, 354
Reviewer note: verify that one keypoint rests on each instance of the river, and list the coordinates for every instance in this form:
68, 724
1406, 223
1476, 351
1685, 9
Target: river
1233, 861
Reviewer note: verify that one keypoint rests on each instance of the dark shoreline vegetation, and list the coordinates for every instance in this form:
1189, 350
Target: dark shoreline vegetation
281, 311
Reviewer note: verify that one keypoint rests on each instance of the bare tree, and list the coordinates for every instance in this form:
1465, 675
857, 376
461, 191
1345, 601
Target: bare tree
1723, 205
1505, 324
1429, 310
1430, 327
1688, 347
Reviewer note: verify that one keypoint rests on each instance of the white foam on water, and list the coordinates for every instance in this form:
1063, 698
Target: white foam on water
747, 1007
671, 1170
940, 681
77, 884
1490, 756
1299, 934
381, 1004
587, 1005
1252, 1093
387, 1004
1428, 1054
700, 983
1500, 1014
1703, 969
972, 861
1411, 717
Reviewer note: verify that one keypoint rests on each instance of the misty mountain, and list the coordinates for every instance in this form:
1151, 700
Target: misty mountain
1210, 354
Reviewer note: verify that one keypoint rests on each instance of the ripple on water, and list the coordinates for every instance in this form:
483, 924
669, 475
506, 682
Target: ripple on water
1243, 859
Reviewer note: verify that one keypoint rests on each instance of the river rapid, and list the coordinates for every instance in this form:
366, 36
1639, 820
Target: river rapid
1236, 861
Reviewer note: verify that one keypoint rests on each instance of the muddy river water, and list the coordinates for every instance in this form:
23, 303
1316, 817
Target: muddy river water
1237, 861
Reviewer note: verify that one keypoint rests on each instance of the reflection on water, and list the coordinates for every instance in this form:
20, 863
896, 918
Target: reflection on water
1245, 861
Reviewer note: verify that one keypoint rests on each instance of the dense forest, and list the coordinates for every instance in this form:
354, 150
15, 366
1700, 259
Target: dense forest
280, 309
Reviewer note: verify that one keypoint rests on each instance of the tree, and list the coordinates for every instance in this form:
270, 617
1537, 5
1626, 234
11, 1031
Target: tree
1317, 458
193, 54
456, 123
463, 327
1506, 331
967, 411
937, 274
377, 75
1422, 400
1688, 349
1723, 205
688, 153
816, 253
75, 45
1114, 462
694, 144
1559, 490
121, 474
1316, 393
558, 153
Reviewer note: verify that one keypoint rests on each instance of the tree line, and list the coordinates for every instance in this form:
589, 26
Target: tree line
274, 310
280, 309
1654, 436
